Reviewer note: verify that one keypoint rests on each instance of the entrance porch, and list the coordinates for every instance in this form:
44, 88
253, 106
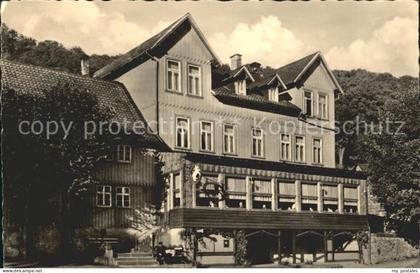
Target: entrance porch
280, 246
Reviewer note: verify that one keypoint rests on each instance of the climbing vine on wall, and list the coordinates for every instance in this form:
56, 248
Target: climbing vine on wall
239, 236
362, 238
201, 234
240, 250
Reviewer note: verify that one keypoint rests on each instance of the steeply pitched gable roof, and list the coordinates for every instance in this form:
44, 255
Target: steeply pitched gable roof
266, 81
238, 71
155, 46
34, 79
289, 72
295, 71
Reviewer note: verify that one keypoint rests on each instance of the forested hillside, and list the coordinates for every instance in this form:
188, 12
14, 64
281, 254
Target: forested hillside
50, 54
365, 94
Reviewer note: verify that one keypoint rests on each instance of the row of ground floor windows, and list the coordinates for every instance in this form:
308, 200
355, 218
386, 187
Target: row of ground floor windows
108, 196
250, 193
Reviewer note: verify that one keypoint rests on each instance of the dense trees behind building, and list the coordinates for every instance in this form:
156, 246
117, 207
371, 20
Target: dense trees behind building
50, 54
369, 98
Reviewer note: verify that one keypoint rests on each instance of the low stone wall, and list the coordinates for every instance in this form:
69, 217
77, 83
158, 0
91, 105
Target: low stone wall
47, 241
391, 249
13, 243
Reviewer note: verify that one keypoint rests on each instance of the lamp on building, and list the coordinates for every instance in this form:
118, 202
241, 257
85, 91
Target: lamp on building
196, 174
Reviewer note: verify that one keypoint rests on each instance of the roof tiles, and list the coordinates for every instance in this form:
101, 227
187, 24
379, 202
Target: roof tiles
34, 79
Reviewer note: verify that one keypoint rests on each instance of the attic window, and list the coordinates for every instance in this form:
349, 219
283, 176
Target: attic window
322, 106
273, 94
173, 81
308, 103
194, 80
240, 87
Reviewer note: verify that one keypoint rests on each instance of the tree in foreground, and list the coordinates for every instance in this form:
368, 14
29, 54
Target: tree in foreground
394, 163
36, 168
365, 95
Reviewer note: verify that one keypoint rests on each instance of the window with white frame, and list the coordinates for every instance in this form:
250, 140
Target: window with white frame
240, 87
124, 153
122, 195
300, 149
322, 106
308, 103
177, 190
257, 142
350, 199
285, 147
173, 76
103, 196
273, 94
229, 138
194, 80
287, 195
261, 198
206, 136
317, 151
236, 192
309, 197
182, 132
330, 198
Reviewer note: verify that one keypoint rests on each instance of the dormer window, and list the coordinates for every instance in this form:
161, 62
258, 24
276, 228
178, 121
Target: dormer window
240, 87
273, 94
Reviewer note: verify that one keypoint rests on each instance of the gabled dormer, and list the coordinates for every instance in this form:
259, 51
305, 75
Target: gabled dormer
240, 87
240, 75
269, 86
274, 86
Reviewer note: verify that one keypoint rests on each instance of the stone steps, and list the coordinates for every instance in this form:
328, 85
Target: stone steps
135, 255
136, 259
20, 264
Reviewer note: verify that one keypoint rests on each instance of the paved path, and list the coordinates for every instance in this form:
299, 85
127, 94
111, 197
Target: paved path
409, 263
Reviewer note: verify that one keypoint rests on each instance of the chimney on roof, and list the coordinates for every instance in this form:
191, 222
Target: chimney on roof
235, 61
84, 66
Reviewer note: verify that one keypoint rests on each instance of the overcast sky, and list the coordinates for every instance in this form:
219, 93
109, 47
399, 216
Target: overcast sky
378, 36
